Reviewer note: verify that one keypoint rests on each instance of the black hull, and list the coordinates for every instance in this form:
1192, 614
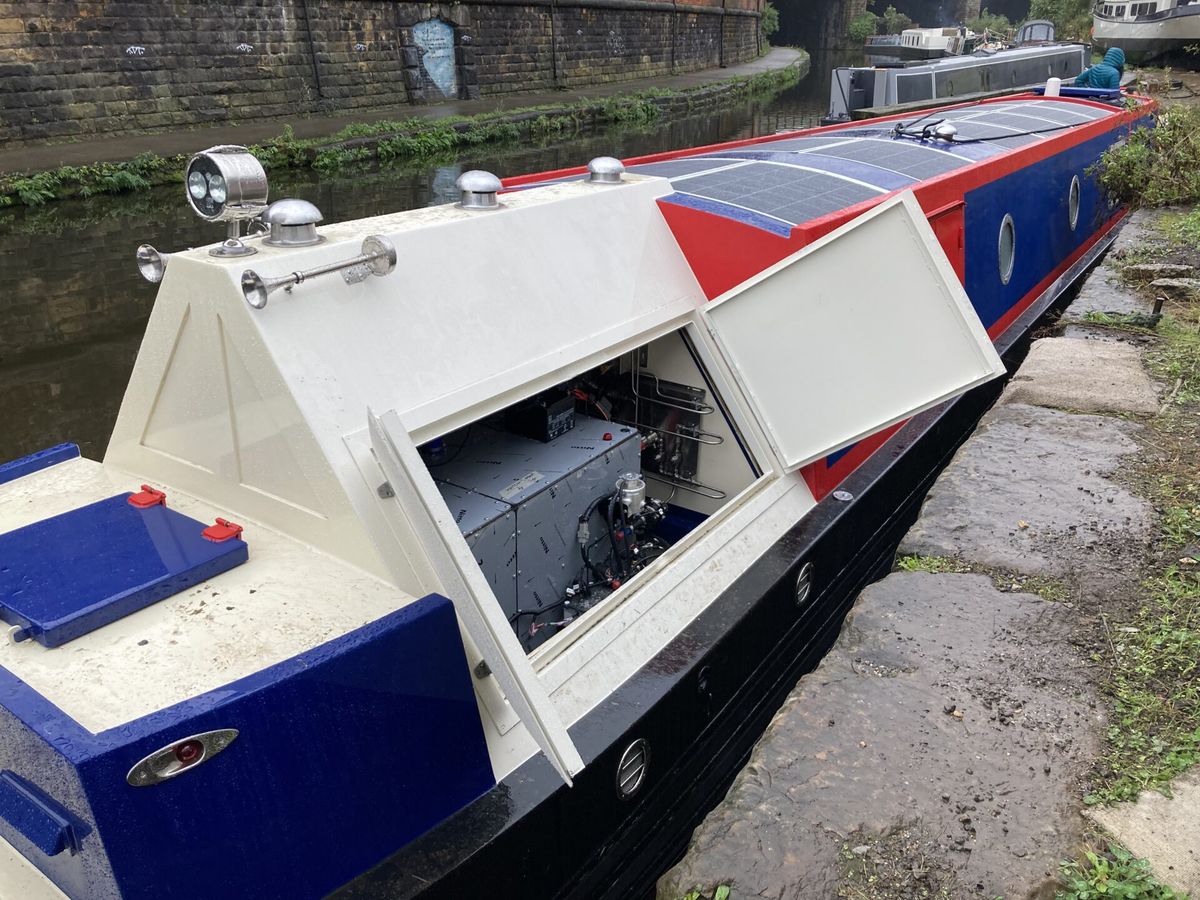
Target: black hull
702, 703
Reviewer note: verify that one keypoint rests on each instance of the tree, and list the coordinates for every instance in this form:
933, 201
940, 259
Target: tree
769, 23
993, 22
1073, 18
894, 21
863, 27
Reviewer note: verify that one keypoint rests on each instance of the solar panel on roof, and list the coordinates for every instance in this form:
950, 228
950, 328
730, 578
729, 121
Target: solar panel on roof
910, 159
783, 192
673, 168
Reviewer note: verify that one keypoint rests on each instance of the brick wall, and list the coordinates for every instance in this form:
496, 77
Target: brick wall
75, 68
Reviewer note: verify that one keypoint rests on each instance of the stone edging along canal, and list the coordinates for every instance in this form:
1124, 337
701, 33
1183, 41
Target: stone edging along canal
991, 708
412, 140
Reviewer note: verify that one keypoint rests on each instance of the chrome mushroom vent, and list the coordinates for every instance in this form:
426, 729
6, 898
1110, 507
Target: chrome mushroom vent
479, 190
606, 170
293, 223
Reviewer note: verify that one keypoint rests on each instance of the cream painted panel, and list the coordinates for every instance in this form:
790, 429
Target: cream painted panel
190, 416
195, 389
20, 879
481, 305
858, 331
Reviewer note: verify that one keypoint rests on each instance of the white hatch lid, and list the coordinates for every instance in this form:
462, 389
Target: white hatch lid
856, 332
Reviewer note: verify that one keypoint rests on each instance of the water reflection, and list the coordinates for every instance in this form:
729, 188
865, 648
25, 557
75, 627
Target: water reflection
73, 308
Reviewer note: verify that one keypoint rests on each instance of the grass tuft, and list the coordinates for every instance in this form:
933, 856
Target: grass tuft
1114, 873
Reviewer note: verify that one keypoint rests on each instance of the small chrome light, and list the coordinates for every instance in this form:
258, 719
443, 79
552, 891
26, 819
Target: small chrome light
151, 264
606, 170
479, 190
945, 132
178, 757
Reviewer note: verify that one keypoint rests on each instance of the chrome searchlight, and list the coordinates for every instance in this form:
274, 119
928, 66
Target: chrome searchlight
226, 184
378, 257
151, 264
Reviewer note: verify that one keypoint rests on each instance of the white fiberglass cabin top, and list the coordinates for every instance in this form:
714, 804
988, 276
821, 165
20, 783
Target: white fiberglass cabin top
306, 420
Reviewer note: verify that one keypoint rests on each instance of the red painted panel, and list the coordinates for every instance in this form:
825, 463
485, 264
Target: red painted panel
948, 226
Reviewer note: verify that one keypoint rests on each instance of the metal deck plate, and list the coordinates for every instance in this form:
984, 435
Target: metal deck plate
73, 573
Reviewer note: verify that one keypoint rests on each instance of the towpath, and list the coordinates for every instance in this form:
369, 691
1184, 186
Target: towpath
42, 157
945, 745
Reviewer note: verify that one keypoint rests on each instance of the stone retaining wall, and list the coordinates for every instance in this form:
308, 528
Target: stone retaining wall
74, 68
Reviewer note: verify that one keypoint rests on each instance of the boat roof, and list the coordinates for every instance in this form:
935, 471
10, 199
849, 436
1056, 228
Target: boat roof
778, 183
784, 183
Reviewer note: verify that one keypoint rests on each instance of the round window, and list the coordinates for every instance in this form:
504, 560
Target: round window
1073, 202
1008, 249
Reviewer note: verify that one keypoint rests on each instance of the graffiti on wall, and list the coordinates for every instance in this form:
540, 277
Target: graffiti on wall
435, 42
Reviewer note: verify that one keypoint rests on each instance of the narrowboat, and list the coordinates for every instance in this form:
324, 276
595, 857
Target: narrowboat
1147, 31
934, 43
853, 89
467, 550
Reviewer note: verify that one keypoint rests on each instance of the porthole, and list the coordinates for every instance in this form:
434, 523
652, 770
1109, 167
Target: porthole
1073, 202
1008, 249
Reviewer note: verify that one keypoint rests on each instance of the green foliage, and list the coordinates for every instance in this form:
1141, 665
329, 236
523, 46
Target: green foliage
769, 23
1177, 358
934, 564
414, 141
138, 174
721, 893
1157, 166
988, 21
1073, 18
336, 159
895, 21
1047, 588
863, 27
1112, 874
1154, 731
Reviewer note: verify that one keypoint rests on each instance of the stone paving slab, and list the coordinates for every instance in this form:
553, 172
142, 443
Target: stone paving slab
1104, 291
1028, 493
1164, 830
948, 711
1084, 375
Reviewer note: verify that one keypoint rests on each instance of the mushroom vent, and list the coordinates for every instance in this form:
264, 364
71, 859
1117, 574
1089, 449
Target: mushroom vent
293, 223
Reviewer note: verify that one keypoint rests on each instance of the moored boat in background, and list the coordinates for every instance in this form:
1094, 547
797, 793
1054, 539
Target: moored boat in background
857, 88
474, 545
1148, 31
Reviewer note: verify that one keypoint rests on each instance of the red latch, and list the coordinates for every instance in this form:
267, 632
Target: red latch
147, 497
222, 531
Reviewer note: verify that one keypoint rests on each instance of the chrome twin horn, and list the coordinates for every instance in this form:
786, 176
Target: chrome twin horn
378, 257
151, 263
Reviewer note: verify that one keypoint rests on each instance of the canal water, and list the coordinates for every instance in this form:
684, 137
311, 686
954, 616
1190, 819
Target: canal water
73, 308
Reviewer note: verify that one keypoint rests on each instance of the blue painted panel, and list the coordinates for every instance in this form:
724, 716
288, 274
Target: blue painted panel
73, 573
32, 814
1037, 198
345, 754
35, 462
